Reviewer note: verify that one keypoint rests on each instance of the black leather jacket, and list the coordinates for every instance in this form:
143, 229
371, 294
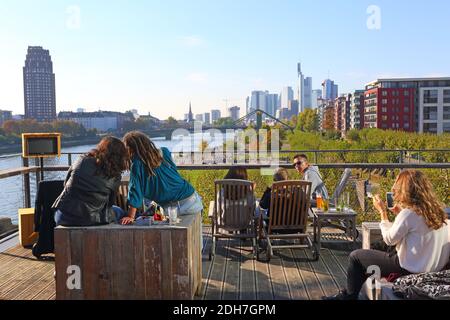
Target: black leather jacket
87, 197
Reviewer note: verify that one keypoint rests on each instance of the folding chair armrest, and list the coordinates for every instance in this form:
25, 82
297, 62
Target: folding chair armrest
211, 209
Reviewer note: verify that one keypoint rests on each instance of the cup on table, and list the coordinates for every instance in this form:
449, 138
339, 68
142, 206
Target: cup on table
173, 214
325, 205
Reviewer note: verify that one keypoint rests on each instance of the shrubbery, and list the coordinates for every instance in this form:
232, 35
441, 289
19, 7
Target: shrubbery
367, 139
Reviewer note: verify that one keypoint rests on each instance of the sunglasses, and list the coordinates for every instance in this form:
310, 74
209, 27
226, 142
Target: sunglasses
295, 164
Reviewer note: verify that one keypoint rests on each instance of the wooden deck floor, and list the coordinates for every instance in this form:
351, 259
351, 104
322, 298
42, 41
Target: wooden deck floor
231, 275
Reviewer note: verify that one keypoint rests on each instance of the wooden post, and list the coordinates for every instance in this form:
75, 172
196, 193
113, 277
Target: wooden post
26, 185
38, 176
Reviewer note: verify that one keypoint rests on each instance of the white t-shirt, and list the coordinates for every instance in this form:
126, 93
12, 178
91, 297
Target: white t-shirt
419, 248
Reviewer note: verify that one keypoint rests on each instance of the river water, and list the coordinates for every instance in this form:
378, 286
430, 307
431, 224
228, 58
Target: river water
11, 189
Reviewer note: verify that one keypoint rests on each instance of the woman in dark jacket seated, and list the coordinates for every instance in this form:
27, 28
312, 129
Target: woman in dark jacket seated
91, 185
280, 174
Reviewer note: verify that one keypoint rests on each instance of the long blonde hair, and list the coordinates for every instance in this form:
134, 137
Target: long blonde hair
413, 190
142, 147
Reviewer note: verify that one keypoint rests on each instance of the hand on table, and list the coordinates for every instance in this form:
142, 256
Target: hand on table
126, 221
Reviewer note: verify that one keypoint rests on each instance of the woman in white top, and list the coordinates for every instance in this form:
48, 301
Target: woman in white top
420, 233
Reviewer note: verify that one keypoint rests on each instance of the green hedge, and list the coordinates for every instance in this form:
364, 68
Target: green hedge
203, 182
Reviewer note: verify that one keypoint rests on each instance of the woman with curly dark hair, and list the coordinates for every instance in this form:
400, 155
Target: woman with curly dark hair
91, 185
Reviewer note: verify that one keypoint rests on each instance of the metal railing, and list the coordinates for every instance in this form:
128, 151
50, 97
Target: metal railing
219, 160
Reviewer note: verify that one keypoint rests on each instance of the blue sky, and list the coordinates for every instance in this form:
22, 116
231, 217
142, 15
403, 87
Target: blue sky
156, 56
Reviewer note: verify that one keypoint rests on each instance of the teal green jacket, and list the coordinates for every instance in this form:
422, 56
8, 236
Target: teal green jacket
166, 186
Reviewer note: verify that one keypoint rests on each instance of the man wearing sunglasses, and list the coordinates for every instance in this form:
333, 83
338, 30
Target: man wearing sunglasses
311, 173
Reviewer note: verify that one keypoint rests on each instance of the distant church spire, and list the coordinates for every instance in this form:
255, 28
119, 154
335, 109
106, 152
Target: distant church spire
191, 116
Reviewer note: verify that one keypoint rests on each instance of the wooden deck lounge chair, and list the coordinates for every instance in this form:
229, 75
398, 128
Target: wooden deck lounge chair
288, 215
234, 212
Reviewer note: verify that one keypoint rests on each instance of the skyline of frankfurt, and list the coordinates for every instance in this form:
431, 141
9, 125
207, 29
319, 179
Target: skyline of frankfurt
156, 57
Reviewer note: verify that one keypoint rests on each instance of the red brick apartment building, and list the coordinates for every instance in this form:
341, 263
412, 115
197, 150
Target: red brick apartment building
390, 104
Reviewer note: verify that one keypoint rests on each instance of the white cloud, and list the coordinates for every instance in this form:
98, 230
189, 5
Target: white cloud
192, 41
197, 77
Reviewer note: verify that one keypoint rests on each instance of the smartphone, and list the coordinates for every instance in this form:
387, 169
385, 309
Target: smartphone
390, 200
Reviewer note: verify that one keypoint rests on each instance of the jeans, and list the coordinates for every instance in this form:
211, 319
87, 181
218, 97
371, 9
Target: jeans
58, 215
190, 205
360, 260
119, 213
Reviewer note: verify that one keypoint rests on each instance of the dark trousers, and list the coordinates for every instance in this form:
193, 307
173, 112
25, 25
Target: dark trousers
360, 260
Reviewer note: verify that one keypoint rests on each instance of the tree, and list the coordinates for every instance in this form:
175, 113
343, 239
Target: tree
308, 121
171, 122
353, 136
68, 128
224, 122
294, 121
13, 127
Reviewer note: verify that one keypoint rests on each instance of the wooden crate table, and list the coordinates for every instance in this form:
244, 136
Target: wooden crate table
130, 262
323, 219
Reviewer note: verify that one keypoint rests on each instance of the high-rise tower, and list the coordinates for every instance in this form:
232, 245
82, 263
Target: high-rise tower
39, 85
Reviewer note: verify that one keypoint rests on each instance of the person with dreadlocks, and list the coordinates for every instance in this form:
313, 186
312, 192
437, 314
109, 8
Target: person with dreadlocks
154, 176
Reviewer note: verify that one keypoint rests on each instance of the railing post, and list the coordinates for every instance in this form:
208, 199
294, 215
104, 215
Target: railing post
400, 159
315, 157
38, 174
26, 186
69, 159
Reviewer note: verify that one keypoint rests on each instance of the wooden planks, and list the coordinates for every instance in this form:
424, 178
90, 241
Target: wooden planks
116, 262
231, 275
23, 277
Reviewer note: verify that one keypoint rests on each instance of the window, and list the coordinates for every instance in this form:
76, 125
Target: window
446, 113
384, 93
406, 93
384, 109
406, 125
430, 96
446, 126
384, 118
430, 113
430, 127
384, 101
446, 96
406, 109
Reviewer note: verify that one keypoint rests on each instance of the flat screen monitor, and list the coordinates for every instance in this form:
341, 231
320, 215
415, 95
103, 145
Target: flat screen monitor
41, 145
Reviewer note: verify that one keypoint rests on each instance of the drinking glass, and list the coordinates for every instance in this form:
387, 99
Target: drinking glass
373, 189
340, 204
325, 205
319, 201
346, 202
173, 215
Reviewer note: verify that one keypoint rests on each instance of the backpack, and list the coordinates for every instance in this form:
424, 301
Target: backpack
44, 216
